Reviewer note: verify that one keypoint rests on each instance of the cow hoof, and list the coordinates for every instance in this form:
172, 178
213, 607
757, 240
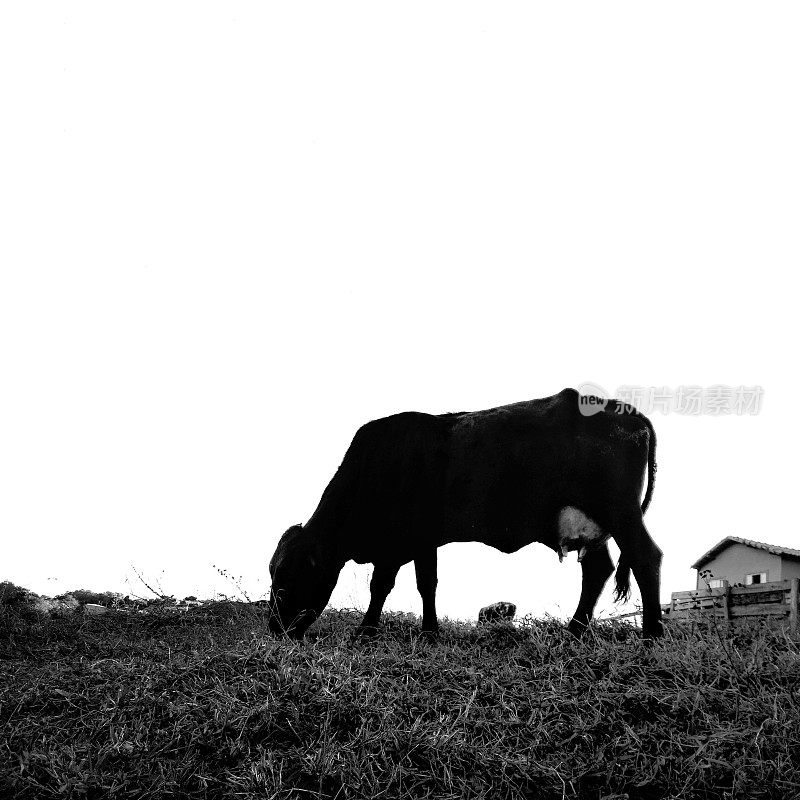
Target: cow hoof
364, 633
577, 629
650, 634
431, 636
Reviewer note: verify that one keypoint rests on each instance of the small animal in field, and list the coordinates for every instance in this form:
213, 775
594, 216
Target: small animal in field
497, 612
536, 471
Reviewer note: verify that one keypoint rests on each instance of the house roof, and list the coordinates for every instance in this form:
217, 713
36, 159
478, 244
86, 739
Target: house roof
729, 540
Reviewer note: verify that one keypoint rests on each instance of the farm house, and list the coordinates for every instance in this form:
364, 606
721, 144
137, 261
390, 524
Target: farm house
746, 562
740, 580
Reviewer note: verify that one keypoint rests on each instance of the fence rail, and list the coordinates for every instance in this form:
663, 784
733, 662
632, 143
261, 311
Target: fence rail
775, 601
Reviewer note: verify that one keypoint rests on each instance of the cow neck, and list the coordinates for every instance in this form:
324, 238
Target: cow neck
332, 545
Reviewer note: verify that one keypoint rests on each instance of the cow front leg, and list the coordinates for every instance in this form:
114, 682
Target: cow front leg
383, 577
597, 568
427, 580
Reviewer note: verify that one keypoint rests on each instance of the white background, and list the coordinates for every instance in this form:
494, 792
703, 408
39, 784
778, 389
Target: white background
232, 233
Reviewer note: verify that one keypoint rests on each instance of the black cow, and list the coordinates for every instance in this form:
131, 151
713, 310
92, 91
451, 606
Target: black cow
537, 471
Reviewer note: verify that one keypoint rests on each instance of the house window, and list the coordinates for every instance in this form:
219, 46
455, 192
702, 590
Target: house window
755, 577
716, 583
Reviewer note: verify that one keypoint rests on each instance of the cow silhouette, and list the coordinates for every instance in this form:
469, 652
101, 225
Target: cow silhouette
536, 471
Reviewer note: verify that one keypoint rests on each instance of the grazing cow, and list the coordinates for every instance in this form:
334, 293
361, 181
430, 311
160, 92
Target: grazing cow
497, 612
537, 471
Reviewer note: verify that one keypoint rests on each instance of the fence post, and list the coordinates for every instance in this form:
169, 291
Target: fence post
794, 598
727, 601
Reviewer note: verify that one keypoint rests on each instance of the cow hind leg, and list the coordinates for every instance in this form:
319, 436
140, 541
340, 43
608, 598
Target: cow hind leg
383, 578
647, 571
644, 556
427, 580
597, 568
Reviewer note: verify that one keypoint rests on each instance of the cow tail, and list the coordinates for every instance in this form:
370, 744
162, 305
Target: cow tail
651, 464
622, 578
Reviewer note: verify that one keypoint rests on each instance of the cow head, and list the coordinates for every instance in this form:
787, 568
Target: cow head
304, 574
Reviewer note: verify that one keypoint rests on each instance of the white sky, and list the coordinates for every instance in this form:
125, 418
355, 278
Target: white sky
232, 233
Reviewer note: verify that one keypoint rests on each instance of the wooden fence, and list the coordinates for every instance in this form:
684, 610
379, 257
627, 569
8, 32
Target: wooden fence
776, 601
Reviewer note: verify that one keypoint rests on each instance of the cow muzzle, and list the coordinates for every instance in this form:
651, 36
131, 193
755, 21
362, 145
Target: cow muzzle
296, 625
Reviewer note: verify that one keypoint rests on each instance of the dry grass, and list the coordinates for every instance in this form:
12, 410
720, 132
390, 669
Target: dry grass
207, 704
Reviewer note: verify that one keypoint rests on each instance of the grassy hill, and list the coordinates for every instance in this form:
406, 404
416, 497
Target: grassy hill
206, 704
